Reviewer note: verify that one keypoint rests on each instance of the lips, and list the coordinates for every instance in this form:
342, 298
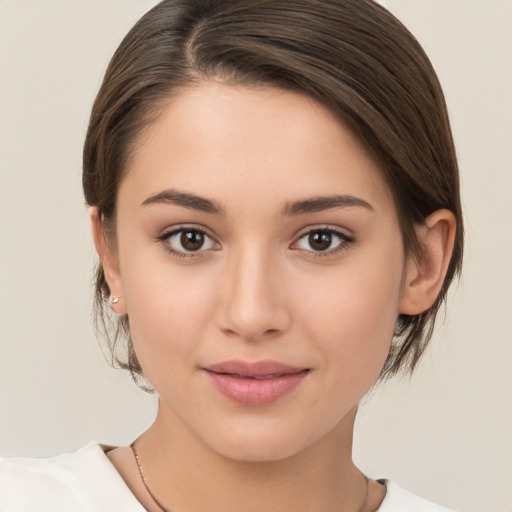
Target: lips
255, 384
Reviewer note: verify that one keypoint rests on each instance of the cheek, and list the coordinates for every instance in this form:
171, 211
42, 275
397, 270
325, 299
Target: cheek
168, 307
353, 313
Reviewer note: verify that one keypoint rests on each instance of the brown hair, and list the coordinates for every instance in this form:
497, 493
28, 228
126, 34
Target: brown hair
351, 55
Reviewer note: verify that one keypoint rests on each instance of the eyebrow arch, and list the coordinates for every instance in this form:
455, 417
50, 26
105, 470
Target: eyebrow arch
185, 199
318, 204
312, 205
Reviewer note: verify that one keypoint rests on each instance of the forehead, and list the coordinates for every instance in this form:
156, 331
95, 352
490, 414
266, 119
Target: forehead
231, 142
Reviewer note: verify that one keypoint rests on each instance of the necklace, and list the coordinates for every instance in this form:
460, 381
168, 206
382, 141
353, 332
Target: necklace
163, 509
136, 455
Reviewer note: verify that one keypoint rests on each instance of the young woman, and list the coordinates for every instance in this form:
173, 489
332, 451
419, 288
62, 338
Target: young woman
275, 203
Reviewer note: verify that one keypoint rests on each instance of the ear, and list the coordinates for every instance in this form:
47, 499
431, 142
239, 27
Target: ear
109, 261
425, 275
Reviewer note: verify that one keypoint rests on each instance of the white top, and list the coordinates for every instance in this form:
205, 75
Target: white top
86, 481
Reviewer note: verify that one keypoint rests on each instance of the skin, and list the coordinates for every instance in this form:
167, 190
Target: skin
258, 290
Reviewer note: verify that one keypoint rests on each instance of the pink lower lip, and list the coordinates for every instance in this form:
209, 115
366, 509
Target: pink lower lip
254, 392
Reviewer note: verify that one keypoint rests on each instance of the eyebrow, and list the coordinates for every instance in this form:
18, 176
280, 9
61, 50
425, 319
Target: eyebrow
187, 200
318, 204
202, 204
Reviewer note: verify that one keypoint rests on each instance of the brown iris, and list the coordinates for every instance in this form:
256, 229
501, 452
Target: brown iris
320, 240
192, 240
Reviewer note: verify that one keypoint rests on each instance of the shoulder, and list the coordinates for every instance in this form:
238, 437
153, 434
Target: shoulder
72, 481
400, 500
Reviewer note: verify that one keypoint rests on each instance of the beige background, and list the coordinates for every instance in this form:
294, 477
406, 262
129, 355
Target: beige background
446, 434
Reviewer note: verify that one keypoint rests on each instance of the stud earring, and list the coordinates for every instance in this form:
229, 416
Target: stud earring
115, 300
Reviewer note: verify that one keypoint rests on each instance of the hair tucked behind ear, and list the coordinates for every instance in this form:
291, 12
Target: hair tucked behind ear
351, 55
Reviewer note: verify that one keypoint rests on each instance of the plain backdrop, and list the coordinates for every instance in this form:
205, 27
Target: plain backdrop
444, 434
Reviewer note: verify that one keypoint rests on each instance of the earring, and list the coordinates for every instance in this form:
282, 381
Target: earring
114, 301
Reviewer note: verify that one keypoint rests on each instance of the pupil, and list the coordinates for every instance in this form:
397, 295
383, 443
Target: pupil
320, 240
192, 240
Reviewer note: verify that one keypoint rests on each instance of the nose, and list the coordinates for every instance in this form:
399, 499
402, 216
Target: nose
253, 303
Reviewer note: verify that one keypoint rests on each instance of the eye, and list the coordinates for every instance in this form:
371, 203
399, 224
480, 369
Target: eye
186, 241
323, 240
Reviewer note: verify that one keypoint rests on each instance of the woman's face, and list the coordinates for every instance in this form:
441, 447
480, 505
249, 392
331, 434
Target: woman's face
260, 263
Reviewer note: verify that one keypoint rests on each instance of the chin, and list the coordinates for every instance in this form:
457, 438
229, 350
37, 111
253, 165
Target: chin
261, 451
263, 443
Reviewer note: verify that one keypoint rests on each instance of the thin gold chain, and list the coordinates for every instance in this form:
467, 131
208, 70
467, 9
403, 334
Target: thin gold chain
161, 507
136, 455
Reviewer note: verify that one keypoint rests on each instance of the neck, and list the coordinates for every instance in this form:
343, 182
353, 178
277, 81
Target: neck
184, 473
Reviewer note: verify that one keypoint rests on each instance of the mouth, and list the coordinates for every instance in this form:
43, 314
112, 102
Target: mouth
255, 384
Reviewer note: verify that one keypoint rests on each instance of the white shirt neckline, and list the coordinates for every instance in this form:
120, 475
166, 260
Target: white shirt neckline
87, 481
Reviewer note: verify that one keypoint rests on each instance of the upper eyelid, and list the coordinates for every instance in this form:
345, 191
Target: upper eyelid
164, 240
335, 232
345, 242
323, 227
172, 230
164, 236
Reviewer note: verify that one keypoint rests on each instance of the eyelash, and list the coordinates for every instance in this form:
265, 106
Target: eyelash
164, 240
344, 243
